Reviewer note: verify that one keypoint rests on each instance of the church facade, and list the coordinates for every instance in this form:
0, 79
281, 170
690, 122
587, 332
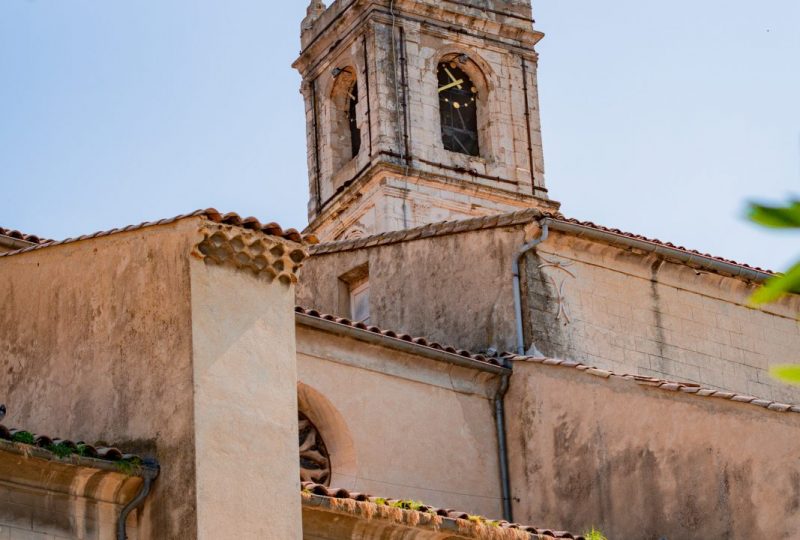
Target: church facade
441, 353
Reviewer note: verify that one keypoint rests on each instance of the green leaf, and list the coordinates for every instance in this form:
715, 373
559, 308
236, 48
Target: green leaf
594, 534
780, 217
789, 373
778, 286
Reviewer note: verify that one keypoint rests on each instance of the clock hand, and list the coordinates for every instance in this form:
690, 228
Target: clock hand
452, 78
452, 84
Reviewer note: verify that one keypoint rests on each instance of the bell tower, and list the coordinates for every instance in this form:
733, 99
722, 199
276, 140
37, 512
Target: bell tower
419, 111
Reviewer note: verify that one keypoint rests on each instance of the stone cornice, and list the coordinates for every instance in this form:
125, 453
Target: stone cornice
33, 468
468, 19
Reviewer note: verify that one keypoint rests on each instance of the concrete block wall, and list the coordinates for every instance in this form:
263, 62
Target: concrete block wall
636, 314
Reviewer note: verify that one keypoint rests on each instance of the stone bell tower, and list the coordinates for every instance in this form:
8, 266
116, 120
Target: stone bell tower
419, 111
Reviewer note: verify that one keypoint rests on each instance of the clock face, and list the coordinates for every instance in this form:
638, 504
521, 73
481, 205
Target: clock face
458, 108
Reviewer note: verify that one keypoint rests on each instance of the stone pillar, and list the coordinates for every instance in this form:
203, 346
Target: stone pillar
245, 386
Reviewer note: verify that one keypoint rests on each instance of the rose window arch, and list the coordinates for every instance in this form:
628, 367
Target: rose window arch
315, 461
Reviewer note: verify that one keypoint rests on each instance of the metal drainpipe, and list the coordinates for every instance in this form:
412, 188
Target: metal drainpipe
545, 225
502, 450
149, 474
499, 399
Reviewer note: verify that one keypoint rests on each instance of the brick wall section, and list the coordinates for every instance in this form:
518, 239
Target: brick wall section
637, 314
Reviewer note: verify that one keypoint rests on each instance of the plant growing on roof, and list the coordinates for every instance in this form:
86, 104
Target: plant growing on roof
594, 534
779, 217
24, 437
61, 450
128, 466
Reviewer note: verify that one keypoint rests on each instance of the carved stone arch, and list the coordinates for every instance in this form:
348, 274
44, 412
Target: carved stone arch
483, 78
325, 440
479, 70
354, 233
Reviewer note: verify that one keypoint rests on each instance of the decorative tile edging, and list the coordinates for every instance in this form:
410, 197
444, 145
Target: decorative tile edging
266, 256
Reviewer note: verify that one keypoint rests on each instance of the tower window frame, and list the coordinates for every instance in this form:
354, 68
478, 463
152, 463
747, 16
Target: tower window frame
345, 134
352, 117
459, 97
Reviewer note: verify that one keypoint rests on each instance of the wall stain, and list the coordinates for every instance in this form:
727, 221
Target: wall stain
540, 313
658, 317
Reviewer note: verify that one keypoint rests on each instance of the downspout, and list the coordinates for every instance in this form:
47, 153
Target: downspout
502, 450
499, 399
545, 225
149, 474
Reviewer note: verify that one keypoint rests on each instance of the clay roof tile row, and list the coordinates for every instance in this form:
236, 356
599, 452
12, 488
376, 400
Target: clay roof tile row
662, 384
99, 450
401, 336
32, 238
231, 218
425, 231
619, 232
339, 493
502, 220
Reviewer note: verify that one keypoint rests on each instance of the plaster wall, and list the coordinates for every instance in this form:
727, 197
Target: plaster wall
245, 402
455, 289
399, 425
633, 313
42, 499
604, 306
639, 462
95, 344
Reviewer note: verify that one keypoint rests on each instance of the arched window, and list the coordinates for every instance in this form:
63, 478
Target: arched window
355, 132
458, 108
345, 142
315, 462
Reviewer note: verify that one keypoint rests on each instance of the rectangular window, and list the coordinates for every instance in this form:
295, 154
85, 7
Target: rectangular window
359, 302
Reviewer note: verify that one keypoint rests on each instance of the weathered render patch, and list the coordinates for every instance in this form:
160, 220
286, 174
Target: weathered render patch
264, 255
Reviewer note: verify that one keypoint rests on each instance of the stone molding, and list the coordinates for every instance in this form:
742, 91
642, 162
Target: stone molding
266, 256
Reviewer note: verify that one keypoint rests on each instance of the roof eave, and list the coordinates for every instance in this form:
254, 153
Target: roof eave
14, 244
397, 344
686, 257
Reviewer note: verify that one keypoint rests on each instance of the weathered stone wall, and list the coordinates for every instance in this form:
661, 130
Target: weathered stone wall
95, 344
453, 289
639, 462
395, 58
399, 425
175, 342
607, 306
628, 312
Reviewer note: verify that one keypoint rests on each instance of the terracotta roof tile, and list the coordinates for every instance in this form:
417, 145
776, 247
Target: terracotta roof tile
503, 220
272, 229
32, 238
400, 336
619, 232
60, 448
661, 384
334, 493
432, 229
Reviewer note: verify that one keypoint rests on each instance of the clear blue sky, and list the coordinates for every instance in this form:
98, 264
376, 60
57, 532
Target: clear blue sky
661, 118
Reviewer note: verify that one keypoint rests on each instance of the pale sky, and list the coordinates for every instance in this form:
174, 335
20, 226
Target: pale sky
660, 118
